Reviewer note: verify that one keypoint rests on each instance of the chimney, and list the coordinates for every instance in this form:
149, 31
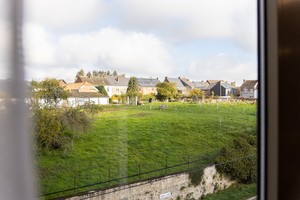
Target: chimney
117, 79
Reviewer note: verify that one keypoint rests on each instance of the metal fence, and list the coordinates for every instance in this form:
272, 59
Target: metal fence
110, 181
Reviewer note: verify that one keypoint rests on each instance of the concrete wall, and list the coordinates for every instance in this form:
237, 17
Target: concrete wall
172, 187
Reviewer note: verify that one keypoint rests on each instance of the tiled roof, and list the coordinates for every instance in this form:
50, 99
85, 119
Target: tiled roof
117, 80
76, 86
213, 81
249, 84
187, 82
227, 85
210, 86
86, 94
201, 85
147, 82
106, 80
177, 81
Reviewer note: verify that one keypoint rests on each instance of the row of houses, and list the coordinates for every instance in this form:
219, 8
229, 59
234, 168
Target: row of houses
85, 88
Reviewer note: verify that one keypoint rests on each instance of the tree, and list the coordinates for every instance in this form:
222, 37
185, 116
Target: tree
95, 73
48, 91
89, 74
196, 94
238, 160
165, 90
132, 90
102, 89
80, 73
115, 73
108, 73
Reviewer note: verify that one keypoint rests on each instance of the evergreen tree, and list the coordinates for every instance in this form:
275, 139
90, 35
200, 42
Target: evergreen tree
132, 90
80, 73
102, 89
89, 74
95, 73
115, 73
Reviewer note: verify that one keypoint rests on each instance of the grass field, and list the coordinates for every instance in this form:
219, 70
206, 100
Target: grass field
129, 140
235, 192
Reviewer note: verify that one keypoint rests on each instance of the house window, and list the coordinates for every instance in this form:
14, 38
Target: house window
117, 91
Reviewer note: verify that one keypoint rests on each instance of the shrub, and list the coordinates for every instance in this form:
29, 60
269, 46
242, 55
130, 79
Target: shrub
239, 160
53, 128
196, 176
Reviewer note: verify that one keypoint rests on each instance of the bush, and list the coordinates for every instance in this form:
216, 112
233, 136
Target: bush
239, 160
53, 128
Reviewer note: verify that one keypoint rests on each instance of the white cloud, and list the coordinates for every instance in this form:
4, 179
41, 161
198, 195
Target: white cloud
109, 48
39, 45
64, 14
190, 19
222, 67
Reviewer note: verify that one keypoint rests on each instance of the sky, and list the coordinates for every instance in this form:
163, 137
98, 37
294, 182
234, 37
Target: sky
196, 39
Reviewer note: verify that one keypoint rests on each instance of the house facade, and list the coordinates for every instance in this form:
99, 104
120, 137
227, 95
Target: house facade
81, 98
83, 92
147, 85
114, 85
220, 89
249, 89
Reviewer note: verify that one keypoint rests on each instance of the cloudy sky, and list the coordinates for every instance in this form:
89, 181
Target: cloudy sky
197, 39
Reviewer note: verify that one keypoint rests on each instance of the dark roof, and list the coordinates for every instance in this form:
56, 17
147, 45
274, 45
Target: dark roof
177, 81
227, 85
201, 85
210, 86
249, 84
147, 82
106, 80
93, 80
117, 80
213, 81
186, 82
86, 94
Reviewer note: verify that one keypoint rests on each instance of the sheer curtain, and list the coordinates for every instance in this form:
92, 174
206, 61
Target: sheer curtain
16, 174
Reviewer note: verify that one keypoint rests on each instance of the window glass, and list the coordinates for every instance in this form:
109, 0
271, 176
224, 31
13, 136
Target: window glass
195, 122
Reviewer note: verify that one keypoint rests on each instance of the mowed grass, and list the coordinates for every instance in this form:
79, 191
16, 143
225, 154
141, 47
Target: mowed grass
235, 192
124, 141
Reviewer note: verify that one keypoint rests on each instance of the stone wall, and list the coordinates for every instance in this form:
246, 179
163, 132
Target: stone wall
173, 187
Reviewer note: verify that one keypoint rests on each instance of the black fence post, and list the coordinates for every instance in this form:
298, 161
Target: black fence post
188, 162
139, 171
74, 182
166, 166
109, 178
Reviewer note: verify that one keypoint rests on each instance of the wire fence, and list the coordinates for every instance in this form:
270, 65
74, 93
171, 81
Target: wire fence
91, 179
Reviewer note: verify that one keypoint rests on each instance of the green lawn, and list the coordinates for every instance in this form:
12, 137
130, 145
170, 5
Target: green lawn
124, 141
235, 192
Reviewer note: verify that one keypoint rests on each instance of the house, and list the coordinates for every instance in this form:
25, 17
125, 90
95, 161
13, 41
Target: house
84, 92
220, 88
230, 89
179, 85
80, 87
249, 89
147, 85
114, 85
81, 98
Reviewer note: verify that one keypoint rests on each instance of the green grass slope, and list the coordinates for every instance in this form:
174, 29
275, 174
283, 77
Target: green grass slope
124, 141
